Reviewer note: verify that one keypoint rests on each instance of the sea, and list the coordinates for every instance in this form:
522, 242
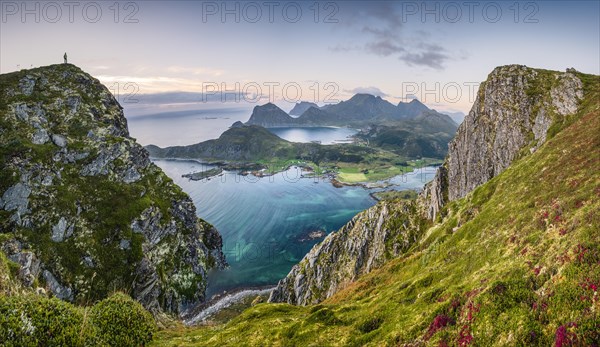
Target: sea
267, 223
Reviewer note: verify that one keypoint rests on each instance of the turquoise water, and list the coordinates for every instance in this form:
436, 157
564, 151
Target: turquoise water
264, 222
326, 135
263, 219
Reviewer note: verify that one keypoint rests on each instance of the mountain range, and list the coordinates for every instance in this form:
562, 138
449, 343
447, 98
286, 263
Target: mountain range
410, 130
358, 111
424, 136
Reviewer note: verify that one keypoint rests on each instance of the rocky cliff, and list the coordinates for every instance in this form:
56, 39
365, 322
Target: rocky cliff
515, 108
366, 242
83, 211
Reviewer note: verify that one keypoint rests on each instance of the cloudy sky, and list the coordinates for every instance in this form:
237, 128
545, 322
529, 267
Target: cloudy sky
285, 51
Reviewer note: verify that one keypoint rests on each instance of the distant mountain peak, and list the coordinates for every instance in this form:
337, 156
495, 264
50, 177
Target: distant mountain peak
268, 115
412, 108
411, 102
301, 107
363, 96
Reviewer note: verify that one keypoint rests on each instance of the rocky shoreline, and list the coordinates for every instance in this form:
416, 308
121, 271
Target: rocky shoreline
221, 301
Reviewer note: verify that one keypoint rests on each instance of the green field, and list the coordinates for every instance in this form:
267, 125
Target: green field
378, 170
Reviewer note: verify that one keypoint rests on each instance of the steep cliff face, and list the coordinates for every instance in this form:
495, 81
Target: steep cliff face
514, 109
83, 210
366, 242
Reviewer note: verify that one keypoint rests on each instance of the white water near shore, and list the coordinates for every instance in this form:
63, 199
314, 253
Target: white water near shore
224, 302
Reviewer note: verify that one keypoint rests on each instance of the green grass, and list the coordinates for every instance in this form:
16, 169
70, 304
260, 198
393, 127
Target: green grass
349, 175
379, 169
513, 263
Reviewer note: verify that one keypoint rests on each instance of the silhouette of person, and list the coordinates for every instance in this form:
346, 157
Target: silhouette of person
65, 57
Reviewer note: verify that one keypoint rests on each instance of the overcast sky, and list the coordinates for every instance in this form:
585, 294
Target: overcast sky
395, 49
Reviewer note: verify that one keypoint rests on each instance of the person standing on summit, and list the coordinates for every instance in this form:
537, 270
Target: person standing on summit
65, 57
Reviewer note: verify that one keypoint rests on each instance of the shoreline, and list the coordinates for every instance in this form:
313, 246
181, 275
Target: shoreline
223, 300
261, 171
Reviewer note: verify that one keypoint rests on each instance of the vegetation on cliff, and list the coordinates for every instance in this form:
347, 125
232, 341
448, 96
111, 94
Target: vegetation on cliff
83, 211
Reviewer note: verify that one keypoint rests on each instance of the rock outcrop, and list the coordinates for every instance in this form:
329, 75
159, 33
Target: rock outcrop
83, 210
372, 237
514, 109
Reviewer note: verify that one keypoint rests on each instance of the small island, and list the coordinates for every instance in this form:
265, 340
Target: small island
198, 176
311, 235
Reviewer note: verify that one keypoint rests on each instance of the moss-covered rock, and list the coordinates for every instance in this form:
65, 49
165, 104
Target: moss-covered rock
84, 204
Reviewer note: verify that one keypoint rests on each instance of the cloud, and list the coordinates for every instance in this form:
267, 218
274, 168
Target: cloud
367, 90
189, 97
194, 70
385, 13
383, 48
430, 58
385, 35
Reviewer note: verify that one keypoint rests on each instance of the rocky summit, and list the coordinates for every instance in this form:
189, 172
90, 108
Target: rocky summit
514, 111
83, 211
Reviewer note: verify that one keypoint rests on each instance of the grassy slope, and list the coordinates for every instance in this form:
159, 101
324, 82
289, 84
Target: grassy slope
515, 262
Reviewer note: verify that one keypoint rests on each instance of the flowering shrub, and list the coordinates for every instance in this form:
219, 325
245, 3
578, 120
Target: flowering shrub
564, 337
439, 322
